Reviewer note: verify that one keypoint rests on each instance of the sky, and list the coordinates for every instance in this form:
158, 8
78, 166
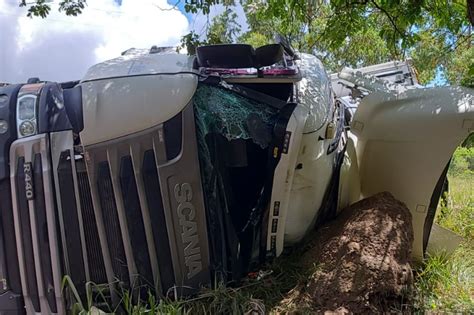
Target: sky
61, 48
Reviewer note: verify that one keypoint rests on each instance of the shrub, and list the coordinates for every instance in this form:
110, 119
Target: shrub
462, 162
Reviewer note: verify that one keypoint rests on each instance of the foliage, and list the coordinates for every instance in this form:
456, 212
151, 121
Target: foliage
460, 67
257, 296
190, 42
446, 284
195, 6
223, 29
42, 8
95, 295
457, 214
462, 163
454, 53
359, 33
252, 295
426, 55
255, 39
311, 35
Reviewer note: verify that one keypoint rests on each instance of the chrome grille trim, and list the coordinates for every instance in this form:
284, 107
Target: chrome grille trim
27, 148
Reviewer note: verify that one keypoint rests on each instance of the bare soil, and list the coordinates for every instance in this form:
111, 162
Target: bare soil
361, 260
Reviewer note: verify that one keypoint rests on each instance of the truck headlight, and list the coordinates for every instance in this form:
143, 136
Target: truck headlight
27, 128
26, 115
3, 126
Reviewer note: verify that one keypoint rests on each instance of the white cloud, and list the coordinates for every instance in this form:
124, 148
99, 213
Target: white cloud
61, 48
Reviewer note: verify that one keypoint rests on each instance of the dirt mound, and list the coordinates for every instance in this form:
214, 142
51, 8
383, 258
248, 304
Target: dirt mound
361, 259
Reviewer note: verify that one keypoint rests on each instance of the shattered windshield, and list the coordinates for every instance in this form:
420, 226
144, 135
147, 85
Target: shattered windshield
233, 116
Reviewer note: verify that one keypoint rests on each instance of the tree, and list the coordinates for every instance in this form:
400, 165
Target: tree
223, 29
311, 36
436, 34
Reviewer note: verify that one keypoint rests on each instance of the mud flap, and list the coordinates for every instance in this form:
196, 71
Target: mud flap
442, 241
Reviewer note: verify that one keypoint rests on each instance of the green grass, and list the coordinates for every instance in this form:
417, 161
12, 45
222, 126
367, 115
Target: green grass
258, 295
446, 283
457, 214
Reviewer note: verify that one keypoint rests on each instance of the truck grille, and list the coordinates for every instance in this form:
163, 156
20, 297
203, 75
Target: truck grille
93, 249
157, 217
71, 221
111, 223
112, 216
132, 183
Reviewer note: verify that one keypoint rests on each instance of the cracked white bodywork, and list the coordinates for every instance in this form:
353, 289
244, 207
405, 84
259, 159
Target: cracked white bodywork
314, 92
311, 168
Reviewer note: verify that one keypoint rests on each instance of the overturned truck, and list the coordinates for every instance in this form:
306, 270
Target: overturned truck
164, 173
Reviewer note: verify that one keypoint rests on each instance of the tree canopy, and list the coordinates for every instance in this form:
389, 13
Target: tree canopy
436, 34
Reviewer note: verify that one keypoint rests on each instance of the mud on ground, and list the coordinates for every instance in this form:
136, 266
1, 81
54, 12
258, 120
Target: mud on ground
361, 260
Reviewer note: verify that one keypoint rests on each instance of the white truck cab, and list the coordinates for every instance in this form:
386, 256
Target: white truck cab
174, 172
